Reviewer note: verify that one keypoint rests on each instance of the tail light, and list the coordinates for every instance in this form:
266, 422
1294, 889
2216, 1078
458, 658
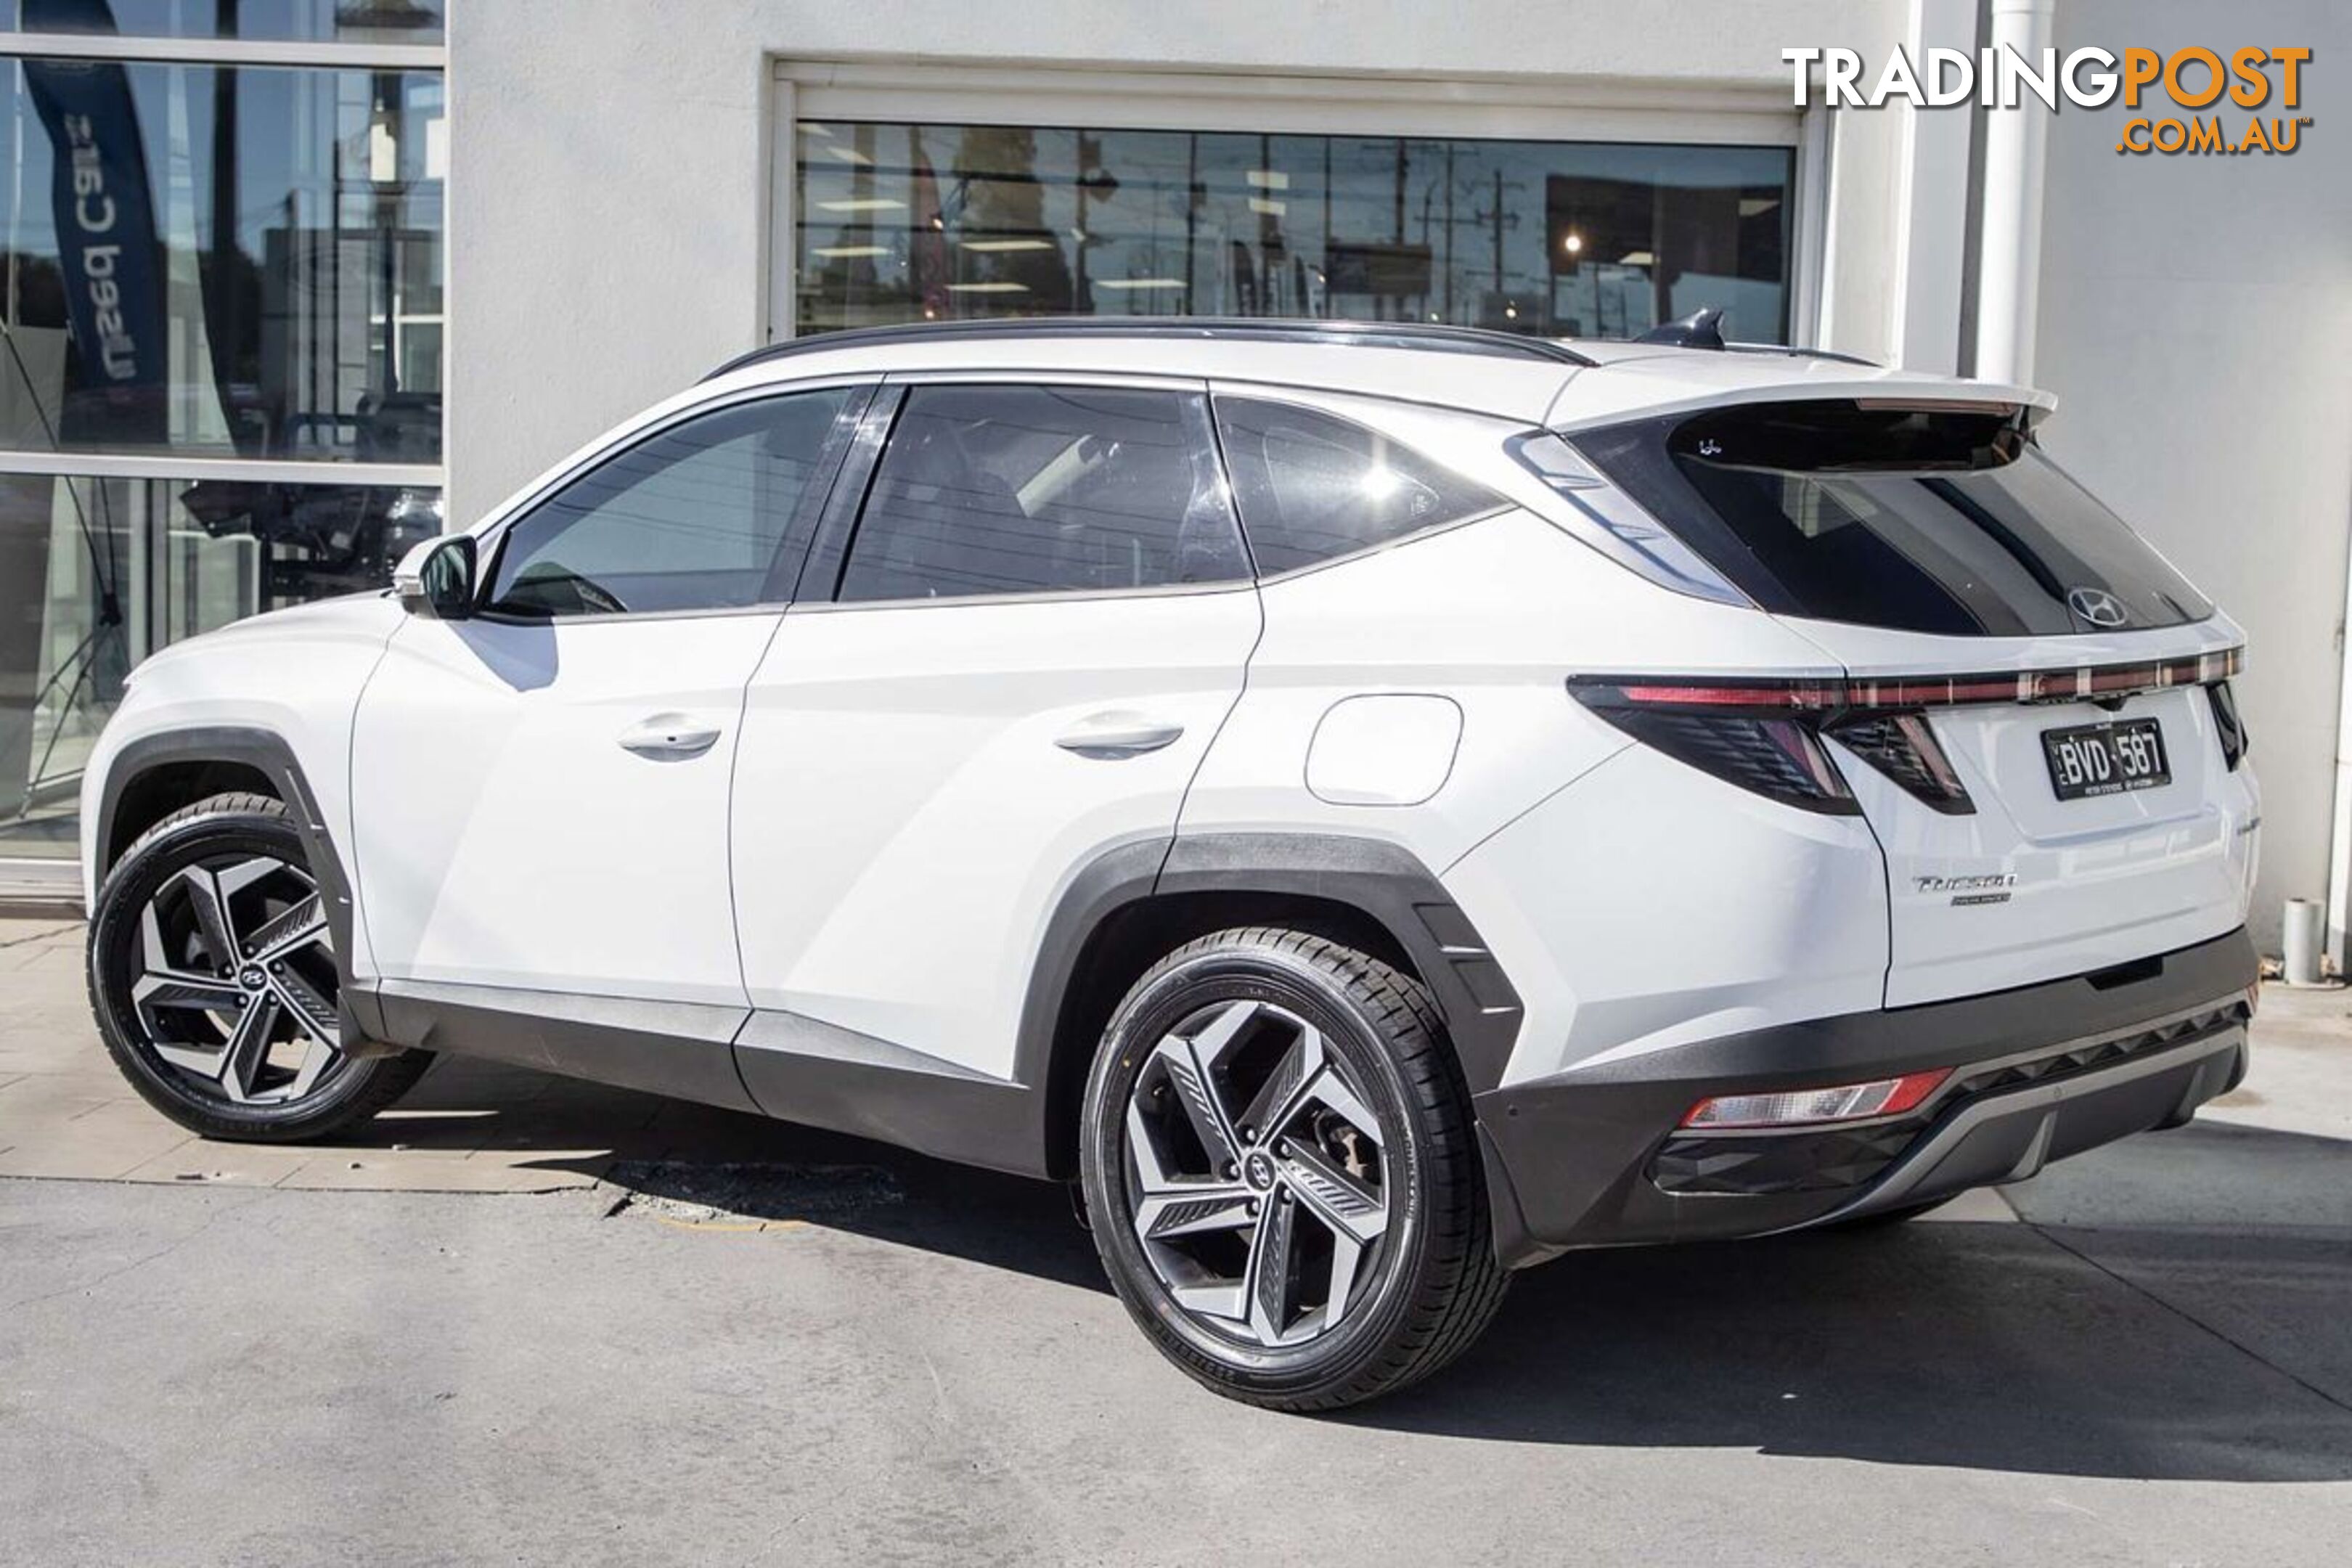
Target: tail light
1778, 755
1793, 1108
2231, 729
1718, 730
1766, 736
1905, 749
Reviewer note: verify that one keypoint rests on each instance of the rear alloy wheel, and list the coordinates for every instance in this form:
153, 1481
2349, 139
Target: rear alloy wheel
214, 979
1278, 1160
1259, 1217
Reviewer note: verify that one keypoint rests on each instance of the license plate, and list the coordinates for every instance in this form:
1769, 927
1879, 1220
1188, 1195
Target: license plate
2106, 758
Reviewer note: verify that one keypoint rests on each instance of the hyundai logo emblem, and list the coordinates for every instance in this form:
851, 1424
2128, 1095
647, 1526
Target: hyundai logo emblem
2097, 606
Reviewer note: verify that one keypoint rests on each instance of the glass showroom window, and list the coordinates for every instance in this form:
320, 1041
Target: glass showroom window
221, 284
231, 261
935, 222
95, 574
302, 21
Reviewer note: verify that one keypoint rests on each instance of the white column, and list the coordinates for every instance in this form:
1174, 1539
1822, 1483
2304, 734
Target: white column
2010, 265
2334, 943
1932, 211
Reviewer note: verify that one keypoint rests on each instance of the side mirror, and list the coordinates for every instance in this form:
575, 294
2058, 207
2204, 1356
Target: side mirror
437, 578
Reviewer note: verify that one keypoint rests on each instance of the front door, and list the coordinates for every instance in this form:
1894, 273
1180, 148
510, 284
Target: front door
539, 793
1043, 616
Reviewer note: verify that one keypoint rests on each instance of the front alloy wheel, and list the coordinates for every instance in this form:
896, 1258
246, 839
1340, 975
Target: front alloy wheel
233, 979
1277, 1150
214, 980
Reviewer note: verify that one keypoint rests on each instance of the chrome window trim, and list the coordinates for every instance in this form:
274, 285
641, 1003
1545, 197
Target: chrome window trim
1402, 540
1033, 597
627, 617
1299, 388
996, 375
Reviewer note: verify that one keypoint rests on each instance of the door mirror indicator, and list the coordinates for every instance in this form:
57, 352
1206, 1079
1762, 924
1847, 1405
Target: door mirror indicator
437, 578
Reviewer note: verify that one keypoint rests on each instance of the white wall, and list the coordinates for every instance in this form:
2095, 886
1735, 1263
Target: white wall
2196, 322
608, 189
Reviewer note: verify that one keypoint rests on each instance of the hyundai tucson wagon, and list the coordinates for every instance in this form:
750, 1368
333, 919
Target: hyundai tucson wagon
1377, 807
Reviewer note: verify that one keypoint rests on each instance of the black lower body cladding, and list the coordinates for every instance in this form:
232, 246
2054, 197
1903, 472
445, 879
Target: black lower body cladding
1595, 1157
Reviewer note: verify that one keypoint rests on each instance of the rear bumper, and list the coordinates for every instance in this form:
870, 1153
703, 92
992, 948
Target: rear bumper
1593, 1156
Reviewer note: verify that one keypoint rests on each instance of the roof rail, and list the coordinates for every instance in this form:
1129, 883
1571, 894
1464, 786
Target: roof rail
1373, 335
1801, 353
1703, 329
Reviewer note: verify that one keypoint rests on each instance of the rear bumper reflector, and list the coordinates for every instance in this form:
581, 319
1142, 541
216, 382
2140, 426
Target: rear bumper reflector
1815, 1107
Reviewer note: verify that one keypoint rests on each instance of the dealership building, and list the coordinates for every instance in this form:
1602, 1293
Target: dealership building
289, 284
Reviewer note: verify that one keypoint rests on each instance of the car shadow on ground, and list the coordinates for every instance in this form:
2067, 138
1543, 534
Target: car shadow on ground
694, 1161
2181, 1314
1995, 1347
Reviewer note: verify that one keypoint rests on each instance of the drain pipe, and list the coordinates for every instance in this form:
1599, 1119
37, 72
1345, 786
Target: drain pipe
2009, 273
2301, 931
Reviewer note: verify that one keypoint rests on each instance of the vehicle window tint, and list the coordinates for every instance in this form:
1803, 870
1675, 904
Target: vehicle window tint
690, 519
1311, 486
1910, 517
1023, 489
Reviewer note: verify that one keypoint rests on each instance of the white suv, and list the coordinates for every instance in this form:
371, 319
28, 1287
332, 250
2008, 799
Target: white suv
1378, 806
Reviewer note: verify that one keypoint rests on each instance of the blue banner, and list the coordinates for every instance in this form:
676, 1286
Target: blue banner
108, 254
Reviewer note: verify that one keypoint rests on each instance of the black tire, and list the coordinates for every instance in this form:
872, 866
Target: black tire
1886, 1219
1428, 1287
224, 827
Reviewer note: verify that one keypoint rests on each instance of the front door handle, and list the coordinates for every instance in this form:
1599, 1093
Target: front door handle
1107, 735
669, 735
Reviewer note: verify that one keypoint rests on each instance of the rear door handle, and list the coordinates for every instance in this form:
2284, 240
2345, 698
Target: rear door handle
669, 735
1107, 735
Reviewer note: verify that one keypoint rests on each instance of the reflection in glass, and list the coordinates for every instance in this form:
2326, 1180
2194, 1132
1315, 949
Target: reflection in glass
221, 261
936, 222
302, 21
95, 574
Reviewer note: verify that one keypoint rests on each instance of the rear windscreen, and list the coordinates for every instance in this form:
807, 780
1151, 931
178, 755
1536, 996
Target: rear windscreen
1914, 517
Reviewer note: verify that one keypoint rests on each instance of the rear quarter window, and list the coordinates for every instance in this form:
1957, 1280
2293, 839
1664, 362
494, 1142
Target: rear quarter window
1312, 487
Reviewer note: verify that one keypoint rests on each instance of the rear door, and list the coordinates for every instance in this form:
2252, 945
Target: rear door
1037, 622
2042, 738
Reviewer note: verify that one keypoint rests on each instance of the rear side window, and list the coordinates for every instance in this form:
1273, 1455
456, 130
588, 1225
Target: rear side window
1910, 517
1029, 489
1312, 487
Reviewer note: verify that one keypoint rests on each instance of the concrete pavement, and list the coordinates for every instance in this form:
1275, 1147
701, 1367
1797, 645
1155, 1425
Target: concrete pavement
470, 1127
718, 1340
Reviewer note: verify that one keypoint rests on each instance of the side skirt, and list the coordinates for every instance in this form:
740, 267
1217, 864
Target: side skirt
806, 1070
679, 1048
763, 1062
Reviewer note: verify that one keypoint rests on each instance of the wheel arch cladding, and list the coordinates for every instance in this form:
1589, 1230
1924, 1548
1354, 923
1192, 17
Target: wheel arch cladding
157, 774
157, 789
1133, 904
